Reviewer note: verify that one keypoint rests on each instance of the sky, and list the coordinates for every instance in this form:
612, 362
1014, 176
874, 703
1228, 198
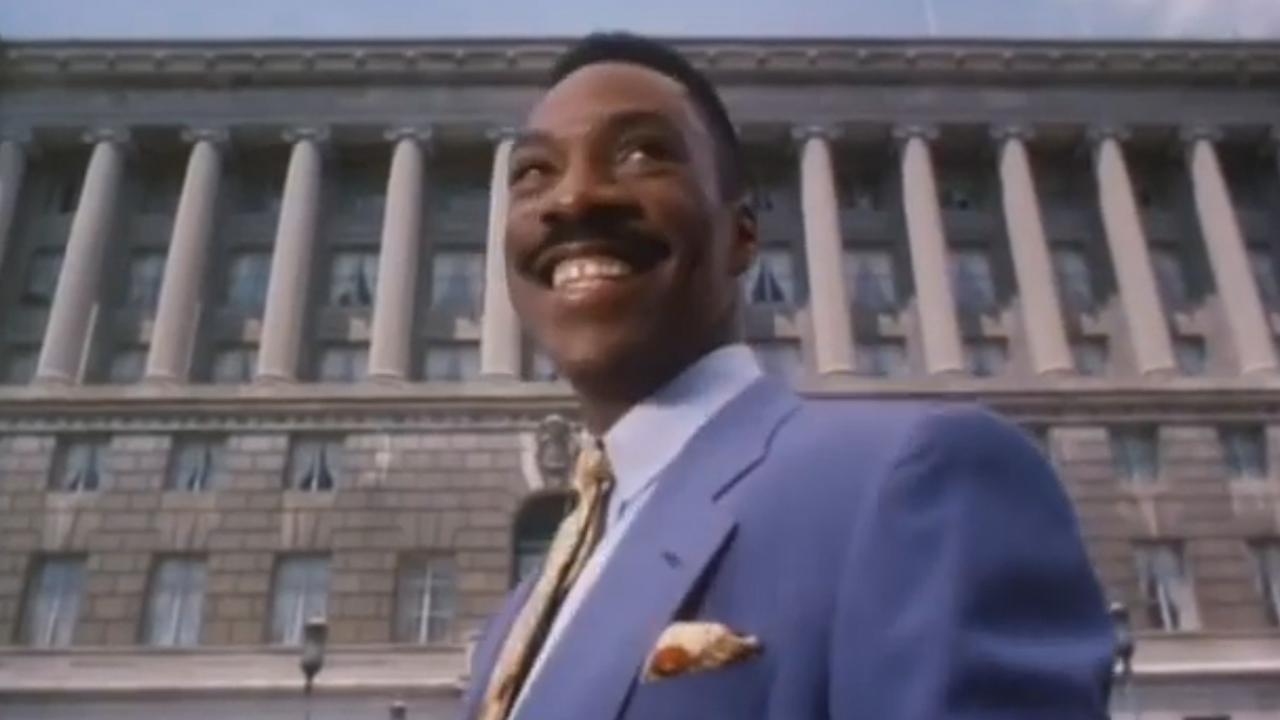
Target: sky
238, 19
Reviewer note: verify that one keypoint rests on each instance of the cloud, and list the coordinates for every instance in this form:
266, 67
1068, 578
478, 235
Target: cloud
1198, 18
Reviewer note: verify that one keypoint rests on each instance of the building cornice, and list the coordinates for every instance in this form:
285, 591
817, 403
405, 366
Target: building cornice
506, 406
511, 61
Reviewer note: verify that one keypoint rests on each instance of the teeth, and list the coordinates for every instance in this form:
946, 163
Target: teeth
576, 270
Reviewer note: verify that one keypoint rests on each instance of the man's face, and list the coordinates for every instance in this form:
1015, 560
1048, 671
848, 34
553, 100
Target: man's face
621, 252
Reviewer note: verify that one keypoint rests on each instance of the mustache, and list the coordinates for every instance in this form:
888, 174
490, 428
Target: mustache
612, 233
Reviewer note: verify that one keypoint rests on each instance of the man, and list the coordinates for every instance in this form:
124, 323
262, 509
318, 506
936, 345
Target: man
739, 552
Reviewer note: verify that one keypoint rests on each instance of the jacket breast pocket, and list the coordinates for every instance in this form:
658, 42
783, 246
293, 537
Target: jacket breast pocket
734, 692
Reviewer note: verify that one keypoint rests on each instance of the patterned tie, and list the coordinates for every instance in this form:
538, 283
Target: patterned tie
572, 547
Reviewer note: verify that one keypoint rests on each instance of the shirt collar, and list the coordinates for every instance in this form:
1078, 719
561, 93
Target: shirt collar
651, 434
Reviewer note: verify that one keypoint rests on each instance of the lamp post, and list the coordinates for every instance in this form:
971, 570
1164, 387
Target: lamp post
314, 636
1125, 645
399, 711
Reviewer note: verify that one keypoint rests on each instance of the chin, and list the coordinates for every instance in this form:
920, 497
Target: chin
602, 358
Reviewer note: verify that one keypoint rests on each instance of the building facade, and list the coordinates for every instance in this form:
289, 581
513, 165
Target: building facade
258, 364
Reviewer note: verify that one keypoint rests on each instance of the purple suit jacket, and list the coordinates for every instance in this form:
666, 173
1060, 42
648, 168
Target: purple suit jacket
897, 561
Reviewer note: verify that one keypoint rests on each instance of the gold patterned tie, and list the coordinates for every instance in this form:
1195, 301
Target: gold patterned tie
572, 547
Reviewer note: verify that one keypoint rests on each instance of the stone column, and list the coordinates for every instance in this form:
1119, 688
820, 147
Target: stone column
1139, 296
178, 312
500, 337
398, 258
75, 302
824, 253
1228, 256
13, 166
1042, 320
290, 278
935, 303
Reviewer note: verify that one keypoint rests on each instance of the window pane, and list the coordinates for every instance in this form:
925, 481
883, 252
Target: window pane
127, 366
247, 284
986, 358
1166, 590
197, 465
42, 277
883, 359
1191, 355
1244, 450
972, 280
316, 464
235, 365
146, 270
80, 464
771, 281
175, 606
344, 363
1264, 274
871, 275
301, 593
1075, 283
53, 603
1135, 454
427, 601
353, 280
20, 365
457, 282
1090, 356
452, 362
1170, 278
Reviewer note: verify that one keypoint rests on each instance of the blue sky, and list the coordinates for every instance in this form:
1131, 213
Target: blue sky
471, 18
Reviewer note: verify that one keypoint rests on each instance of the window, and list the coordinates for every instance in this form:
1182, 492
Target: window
175, 603
972, 280
146, 270
985, 358
80, 465
234, 365
196, 464
53, 602
1266, 558
535, 527
457, 282
1090, 356
771, 281
127, 366
301, 593
1191, 355
1264, 274
247, 284
1244, 449
20, 365
870, 274
41, 277
960, 192
780, 357
258, 191
883, 358
344, 363
316, 464
353, 279
542, 367
426, 601
1167, 595
452, 362
361, 188
1075, 283
64, 193
158, 187
1170, 277
1135, 455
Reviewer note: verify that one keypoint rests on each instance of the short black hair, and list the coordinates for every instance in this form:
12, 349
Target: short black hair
622, 47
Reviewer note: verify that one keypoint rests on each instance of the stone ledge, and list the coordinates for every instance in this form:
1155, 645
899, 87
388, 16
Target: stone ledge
1171, 656
141, 671
497, 60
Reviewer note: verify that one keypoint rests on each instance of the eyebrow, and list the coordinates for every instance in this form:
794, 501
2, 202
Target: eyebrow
526, 137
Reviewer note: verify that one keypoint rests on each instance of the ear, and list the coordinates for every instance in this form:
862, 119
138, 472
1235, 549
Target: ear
745, 240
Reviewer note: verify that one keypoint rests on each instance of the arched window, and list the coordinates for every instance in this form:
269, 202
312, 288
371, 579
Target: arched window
535, 527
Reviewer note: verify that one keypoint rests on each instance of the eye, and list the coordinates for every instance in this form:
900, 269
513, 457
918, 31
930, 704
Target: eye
528, 171
642, 150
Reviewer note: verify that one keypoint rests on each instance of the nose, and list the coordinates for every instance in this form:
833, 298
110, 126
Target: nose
583, 188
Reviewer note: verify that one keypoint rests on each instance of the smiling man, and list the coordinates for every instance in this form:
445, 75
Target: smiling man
738, 552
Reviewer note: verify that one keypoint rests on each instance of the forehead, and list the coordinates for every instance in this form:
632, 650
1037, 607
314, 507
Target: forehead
596, 92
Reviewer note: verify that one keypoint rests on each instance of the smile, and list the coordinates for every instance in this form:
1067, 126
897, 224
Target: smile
582, 272
588, 265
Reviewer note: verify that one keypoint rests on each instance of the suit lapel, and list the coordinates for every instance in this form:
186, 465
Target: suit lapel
668, 546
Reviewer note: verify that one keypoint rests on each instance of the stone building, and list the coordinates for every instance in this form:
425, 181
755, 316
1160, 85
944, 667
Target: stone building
258, 364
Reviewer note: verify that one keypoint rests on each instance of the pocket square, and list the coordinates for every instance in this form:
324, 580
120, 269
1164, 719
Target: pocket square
688, 647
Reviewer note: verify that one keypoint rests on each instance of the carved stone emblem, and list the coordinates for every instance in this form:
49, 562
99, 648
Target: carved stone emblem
557, 445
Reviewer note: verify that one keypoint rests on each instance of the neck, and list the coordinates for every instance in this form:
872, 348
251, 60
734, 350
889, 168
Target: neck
621, 388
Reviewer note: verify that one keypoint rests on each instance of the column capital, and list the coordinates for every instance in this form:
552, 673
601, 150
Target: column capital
422, 135
1013, 131
217, 136
1192, 134
317, 134
108, 134
803, 133
501, 133
1107, 131
921, 131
